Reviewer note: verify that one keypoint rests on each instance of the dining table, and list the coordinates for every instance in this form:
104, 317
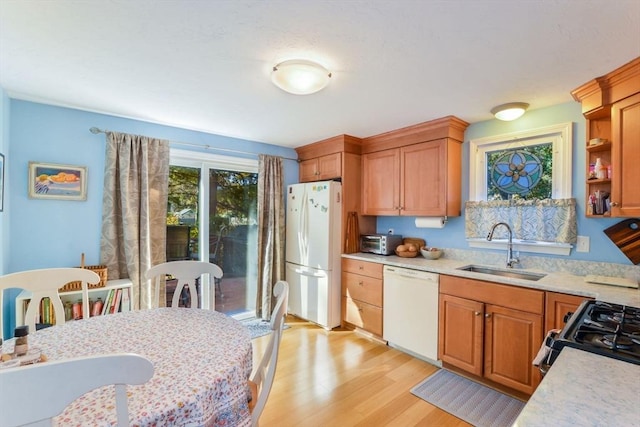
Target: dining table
202, 360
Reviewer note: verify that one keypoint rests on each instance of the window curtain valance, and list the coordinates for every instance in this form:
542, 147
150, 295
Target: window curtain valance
548, 220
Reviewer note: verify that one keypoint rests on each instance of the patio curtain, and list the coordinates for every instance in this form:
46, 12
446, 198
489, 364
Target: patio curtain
134, 210
271, 229
548, 220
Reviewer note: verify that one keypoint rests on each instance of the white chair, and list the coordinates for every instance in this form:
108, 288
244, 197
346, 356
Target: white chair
261, 379
186, 272
32, 395
45, 283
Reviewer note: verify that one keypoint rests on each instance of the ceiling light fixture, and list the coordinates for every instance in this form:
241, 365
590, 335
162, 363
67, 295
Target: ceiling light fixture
509, 111
300, 77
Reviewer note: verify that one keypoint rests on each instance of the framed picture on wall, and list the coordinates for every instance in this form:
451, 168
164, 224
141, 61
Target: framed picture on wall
1, 182
52, 181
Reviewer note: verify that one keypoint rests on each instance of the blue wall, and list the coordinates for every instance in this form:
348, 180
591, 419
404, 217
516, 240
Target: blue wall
452, 235
53, 233
4, 149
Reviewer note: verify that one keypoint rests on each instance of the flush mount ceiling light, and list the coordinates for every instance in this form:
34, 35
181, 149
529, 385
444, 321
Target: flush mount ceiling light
509, 111
300, 77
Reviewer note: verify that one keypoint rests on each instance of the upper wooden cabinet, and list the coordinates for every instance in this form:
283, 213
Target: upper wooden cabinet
322, 168
611, 105
417, 180
414, 171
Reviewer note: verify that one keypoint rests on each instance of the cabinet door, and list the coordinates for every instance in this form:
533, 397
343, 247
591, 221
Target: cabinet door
363, 315
512, 340
625, 152
380, 188
423, 179
330, 167
460, 333
557, 305
308, 170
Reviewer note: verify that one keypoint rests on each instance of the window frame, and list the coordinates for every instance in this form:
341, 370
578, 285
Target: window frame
561, 137
205, 161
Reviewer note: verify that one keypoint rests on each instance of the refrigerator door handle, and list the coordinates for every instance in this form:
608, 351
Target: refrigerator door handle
303, 227
304, 272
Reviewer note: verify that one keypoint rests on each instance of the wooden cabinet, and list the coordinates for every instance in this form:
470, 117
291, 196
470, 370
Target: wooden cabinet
417, 180
491, 330
625, 157
611, 105
322, 168
556, 307
362, 295
461, 334
414, 171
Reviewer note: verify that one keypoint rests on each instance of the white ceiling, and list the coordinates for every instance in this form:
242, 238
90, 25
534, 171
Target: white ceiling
205, 65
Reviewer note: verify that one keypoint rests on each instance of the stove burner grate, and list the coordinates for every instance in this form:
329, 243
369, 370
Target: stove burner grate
622, 343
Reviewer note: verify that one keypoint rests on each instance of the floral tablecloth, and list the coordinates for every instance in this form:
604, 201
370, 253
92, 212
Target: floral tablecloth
202, 360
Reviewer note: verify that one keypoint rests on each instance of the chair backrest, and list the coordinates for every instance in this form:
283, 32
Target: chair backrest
33, 394
45, 283
186, 272
264, 373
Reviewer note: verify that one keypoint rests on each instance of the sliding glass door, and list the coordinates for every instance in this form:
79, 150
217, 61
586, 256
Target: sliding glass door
212, 217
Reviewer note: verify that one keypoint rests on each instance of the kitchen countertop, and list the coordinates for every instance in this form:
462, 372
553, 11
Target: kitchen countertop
575, 388
553, 281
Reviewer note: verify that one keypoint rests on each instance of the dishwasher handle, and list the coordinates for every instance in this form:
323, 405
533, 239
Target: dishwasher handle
391, 271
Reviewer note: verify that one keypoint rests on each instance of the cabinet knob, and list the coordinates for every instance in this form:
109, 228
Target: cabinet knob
360, 283
361, 267
477, 313
359, 309
614, 203
487, 315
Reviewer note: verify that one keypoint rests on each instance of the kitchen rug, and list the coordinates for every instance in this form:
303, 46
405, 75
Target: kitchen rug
258, 328
472, 402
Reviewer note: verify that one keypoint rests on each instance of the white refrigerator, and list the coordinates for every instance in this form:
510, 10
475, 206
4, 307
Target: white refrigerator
313, 251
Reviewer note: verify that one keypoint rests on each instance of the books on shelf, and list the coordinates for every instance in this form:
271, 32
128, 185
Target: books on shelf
126, 301
116, 301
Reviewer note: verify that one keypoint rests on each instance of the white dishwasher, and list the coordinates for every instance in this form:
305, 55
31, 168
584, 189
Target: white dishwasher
410, 311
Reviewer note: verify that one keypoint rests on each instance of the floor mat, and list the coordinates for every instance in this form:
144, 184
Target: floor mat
258, 328
472, 402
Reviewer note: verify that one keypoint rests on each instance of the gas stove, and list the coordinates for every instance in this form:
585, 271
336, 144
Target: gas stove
607, 329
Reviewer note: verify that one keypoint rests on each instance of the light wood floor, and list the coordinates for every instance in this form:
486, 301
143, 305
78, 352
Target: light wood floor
340, 378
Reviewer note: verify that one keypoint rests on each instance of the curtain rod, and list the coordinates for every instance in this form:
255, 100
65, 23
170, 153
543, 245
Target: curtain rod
96, 130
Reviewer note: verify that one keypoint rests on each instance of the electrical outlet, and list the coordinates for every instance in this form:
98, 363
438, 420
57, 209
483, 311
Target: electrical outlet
583, 244
390, 231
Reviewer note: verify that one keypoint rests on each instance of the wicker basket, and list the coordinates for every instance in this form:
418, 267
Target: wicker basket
407, 254
100, 270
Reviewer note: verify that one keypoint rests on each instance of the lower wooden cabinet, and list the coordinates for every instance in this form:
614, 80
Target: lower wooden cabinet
461, 334
557, 306
491, 330
362, 295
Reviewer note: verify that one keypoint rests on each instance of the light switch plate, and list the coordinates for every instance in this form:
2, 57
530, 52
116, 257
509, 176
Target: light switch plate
583, 244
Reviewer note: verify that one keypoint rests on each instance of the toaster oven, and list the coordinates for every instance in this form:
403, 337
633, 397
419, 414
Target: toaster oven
381, 244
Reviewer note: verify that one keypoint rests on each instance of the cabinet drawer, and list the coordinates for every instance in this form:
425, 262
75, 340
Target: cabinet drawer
517, 298
363, 315
371, 269
362, 288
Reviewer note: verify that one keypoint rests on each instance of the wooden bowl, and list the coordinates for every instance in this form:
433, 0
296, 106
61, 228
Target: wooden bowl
407, 254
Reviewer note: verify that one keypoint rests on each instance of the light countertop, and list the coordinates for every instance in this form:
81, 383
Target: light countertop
553, 281
585, 389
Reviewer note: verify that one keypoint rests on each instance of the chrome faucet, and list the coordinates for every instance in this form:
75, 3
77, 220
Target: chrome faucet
510, 259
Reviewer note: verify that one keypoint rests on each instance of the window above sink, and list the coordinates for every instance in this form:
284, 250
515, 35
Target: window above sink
523, 179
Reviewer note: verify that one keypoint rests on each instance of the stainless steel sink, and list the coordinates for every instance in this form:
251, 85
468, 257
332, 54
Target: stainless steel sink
502, 272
